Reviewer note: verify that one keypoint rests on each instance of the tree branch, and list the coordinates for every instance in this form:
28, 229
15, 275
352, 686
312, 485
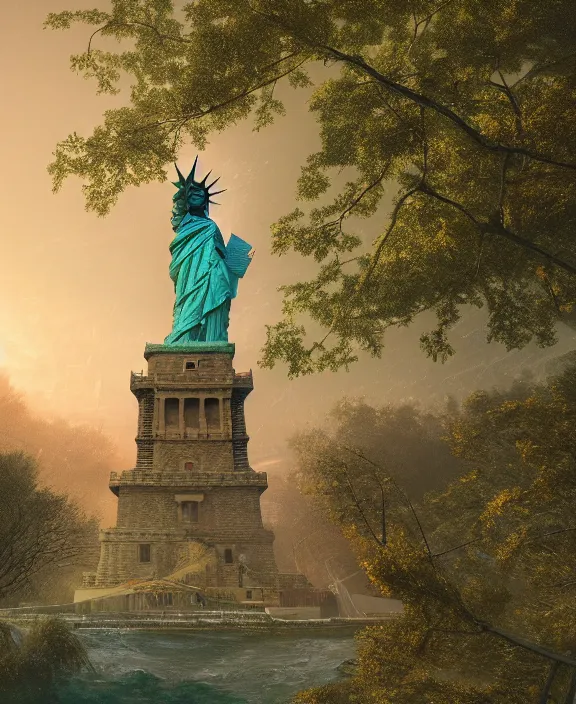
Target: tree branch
545, 696
366, 190
539, 68
527, 645
381, 241
505, 88
357, 504
458, 547
501, 230
400, 491
183, 119
429, 103
418, 98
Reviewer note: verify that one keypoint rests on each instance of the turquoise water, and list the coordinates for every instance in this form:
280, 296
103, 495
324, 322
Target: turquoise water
204, 668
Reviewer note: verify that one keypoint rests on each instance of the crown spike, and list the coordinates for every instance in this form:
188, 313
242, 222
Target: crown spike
182, 179
190, 190
190, 178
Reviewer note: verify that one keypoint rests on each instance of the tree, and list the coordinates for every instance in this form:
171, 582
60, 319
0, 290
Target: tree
61, 449
464, 108
407, 439
39, 529
304, 540
484, 567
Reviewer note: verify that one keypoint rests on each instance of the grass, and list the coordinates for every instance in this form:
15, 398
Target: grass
50, 652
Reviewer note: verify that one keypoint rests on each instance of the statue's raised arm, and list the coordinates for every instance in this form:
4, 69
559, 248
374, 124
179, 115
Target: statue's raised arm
204, 270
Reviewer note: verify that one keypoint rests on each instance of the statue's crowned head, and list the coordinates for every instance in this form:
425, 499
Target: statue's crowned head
192, 196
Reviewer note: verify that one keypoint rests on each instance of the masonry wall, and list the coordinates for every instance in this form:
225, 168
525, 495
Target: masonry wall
205, 455
226, 509
213, 368
146, 508
119, 560
236, 509
252, 560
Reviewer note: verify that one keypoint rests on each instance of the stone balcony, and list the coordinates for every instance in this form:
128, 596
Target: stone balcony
243, 380
140, 381
197, 480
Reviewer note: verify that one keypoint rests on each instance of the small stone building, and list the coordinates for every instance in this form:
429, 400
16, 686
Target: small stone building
192, 484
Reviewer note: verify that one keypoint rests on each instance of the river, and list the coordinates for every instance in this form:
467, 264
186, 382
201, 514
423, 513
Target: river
188, 667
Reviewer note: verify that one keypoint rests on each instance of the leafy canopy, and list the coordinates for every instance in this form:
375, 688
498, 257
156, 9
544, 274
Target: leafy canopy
466, 109
484, 567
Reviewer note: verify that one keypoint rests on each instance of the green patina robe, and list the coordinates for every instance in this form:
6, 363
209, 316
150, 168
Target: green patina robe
205, 273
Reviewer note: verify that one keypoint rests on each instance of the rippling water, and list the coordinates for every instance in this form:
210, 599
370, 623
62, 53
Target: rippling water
204, 668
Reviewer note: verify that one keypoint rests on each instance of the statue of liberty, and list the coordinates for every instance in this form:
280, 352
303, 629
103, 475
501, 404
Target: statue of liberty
204, 270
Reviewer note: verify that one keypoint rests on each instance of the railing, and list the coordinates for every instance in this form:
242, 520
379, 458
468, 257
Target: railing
199, 379
243, 378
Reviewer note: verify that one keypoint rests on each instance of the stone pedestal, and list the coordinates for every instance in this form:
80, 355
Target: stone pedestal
192, 483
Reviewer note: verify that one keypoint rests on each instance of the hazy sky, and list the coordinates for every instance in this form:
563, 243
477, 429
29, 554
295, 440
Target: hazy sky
80, 296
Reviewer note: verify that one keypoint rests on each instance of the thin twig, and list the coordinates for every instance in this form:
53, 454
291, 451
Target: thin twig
357, 504
384, 237
458, 547
159, 34
401, 492
539, 68
505, 88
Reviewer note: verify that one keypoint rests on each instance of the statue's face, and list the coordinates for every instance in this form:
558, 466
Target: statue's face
196, 203
197, 199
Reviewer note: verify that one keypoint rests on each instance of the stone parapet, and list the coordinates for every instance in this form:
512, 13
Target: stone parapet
139, 477
167, 380
244, 381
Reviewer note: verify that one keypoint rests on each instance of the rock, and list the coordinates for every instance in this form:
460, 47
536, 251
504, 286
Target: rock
348, 668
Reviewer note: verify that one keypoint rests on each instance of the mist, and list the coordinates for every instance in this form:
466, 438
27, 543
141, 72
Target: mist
82, 295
